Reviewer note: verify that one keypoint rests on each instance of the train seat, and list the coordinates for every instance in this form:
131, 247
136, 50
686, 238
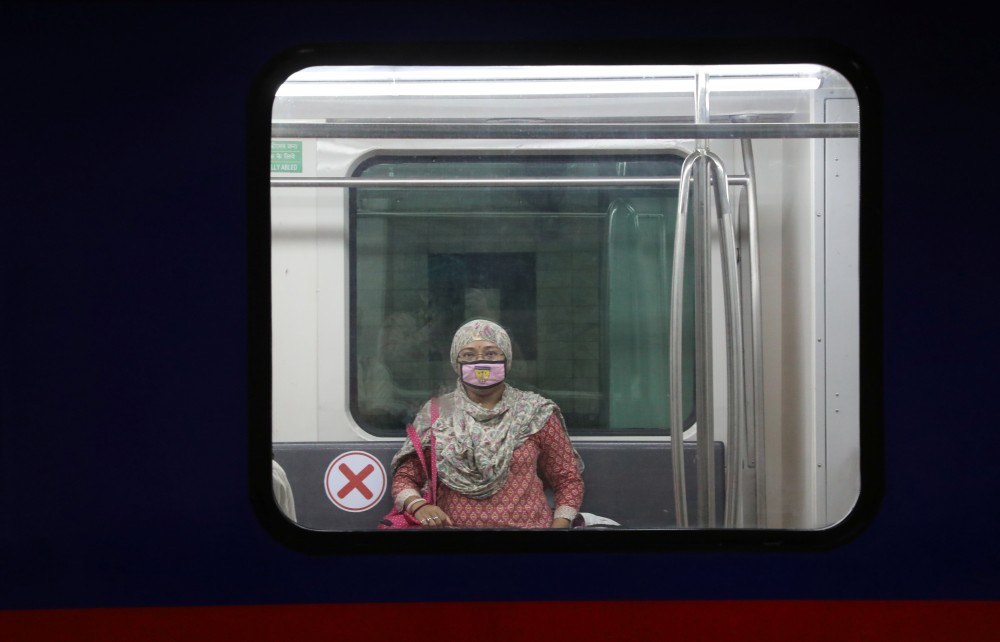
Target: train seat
627, 482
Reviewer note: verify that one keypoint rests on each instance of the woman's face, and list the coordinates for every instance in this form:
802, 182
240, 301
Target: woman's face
482, 365
480, 350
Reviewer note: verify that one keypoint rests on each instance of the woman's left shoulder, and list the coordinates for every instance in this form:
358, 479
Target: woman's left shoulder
521, 393
530, 398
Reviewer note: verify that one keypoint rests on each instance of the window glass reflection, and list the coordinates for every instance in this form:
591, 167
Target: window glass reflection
580, 276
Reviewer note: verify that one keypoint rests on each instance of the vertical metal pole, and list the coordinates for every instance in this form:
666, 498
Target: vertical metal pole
734, 341
755, 450
702, 228
677, 343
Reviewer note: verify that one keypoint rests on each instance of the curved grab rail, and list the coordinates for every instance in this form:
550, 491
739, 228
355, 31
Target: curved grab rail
676, 325
735, 378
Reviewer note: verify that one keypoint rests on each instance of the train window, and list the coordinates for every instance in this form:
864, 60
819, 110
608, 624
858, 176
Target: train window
579, 276
678, 252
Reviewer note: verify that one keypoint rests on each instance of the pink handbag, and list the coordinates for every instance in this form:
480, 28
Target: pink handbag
398, 518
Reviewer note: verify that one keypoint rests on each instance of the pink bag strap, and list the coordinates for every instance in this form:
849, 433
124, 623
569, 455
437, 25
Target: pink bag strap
412, 433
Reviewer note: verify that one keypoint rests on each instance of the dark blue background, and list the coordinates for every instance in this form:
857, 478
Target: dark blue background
123, 317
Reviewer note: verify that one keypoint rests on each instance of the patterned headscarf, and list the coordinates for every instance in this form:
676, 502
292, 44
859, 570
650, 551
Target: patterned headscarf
475, 444
480, 330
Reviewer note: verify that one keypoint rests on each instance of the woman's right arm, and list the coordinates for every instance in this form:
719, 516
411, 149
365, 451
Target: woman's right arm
406, 485
407, 481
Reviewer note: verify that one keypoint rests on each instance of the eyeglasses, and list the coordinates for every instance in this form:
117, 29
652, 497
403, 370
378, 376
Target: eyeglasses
472, 355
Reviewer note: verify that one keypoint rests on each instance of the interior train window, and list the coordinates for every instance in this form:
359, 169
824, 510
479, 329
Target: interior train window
681, 256
579, 277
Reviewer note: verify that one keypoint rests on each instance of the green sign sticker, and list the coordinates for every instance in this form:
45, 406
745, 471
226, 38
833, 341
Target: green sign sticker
286, 156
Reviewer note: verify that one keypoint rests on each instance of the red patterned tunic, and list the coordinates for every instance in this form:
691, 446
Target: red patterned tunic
545, 456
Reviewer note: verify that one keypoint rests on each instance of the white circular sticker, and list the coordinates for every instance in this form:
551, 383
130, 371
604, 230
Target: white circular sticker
355, 481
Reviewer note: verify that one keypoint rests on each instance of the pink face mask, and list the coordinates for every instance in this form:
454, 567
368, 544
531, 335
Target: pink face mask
484, 374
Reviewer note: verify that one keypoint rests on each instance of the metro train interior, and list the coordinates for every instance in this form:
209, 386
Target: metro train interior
675, 250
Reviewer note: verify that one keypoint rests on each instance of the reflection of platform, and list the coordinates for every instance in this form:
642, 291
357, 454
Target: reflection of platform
628, 482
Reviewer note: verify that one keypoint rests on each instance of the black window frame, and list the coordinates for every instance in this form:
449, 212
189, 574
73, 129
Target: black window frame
686, 52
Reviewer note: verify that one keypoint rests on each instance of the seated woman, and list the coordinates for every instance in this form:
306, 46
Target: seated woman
497, 447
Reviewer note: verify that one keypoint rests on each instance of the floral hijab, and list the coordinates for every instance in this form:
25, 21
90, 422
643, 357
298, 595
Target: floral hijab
475, 444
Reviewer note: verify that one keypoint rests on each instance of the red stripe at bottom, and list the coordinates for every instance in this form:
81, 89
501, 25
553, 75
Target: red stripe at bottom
508, 621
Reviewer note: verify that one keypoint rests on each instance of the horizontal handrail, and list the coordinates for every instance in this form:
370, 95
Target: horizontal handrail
556, 181
542, 129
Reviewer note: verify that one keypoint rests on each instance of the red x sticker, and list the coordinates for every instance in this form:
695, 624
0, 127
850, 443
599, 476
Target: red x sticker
355, 481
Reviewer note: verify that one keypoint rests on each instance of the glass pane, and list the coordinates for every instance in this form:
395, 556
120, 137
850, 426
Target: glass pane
369, 280
580, 277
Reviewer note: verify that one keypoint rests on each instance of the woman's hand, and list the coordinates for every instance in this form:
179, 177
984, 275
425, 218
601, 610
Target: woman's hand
560, 522
431, 516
